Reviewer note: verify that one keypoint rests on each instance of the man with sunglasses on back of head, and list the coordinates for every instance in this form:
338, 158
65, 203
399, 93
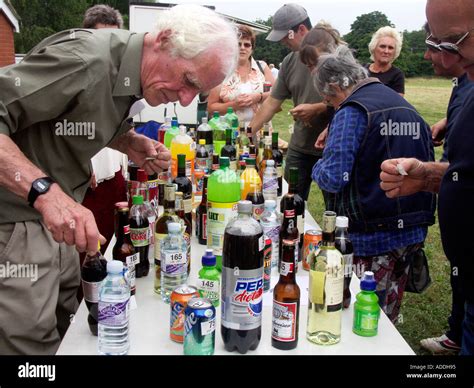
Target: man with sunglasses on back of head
290, 25
452, 25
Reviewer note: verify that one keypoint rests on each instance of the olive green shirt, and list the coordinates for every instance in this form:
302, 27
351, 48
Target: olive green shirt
68, 99
295, 81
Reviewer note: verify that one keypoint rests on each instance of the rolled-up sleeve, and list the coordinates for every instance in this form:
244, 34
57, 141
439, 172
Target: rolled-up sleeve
333, 171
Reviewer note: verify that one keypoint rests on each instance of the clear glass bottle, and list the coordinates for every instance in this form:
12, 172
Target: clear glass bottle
271, 224
270, 181
326, 284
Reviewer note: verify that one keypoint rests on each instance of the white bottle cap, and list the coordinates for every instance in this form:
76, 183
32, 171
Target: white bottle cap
114, 266
342, 222
174, 227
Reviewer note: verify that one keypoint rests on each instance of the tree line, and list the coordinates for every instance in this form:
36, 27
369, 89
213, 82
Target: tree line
42, 18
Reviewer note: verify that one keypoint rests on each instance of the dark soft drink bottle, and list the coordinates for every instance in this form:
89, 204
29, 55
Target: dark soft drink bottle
201, 215
242, 281
255, 196
140, 235
93, 271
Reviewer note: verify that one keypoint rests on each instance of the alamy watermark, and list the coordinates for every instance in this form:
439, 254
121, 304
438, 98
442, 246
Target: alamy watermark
75, 128
28, 271
395, 128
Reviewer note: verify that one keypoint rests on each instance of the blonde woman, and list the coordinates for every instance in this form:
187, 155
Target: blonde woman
384, 49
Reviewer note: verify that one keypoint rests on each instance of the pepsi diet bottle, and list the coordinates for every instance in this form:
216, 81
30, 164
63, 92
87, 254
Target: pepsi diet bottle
242, 281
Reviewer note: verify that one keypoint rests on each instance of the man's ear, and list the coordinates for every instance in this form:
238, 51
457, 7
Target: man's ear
162, 40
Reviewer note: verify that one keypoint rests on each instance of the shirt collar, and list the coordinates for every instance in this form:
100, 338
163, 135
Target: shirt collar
128, 79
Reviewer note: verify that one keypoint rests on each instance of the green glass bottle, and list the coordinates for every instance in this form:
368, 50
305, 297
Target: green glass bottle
366, 307
223, 193
209, 278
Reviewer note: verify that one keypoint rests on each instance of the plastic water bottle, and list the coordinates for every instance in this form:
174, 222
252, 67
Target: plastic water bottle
270, 181
174, 261
114, 298
271, 223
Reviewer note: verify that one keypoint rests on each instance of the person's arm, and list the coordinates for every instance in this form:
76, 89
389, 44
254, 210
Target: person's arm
334, 170
265, 113
67, 220
214, 102
421, 176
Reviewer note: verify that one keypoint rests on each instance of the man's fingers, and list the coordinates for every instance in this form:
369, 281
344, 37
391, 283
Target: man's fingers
80, 237
386, 177
92, 235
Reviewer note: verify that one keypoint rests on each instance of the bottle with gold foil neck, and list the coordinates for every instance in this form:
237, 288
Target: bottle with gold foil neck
326, 285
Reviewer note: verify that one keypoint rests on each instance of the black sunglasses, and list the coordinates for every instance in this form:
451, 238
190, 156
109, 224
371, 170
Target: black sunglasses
245, 44
451, 48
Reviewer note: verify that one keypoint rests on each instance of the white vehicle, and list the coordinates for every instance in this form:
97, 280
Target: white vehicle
142, 19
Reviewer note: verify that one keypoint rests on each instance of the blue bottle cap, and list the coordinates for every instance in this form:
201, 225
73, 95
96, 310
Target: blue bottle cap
209, 259
368, 282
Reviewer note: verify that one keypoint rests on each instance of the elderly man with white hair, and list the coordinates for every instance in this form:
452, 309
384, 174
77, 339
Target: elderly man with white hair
452, 32
71, 96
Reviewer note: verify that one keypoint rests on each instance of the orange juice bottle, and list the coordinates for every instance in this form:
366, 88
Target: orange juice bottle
249, 178
183, 144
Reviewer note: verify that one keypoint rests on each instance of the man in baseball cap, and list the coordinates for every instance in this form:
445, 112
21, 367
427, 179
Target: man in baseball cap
290, 25
285, 19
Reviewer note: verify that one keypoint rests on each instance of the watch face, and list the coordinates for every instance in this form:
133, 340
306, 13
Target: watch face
41, 185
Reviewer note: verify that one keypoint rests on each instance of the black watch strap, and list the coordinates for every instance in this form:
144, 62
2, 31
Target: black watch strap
38, 187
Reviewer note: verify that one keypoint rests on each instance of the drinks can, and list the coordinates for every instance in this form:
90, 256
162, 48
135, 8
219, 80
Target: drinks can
267, 86
312, 241
199, 327
199, 176
267, 264
178, 301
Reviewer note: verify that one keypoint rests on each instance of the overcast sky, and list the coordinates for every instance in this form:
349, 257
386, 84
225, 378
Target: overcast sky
404, 14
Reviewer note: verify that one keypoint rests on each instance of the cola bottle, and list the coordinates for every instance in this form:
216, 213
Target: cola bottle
242, 281
93, 271
140, 235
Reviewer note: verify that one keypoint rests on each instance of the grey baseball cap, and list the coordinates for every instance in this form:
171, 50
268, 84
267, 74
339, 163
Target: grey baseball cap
284, 19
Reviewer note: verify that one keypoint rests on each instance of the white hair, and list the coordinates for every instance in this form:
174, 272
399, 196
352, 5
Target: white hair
196, 30
385, 32
339, 68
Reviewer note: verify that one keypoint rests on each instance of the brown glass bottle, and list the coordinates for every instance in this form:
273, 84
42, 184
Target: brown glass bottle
201, 215
286, 301
123, 249
278, 158
161, 230
289, 228
185, 186
185, 225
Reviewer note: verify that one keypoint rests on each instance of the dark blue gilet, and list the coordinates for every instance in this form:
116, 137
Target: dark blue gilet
395, 130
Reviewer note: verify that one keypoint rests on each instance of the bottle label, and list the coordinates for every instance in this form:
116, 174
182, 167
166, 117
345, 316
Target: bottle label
174, 263
202, 164
208, 327
218, 215
140, 236
267, 264
113, 314
233, 165
131, 261
91, 291
188, 205
334, 291
286, 268
159, 237
273, 233
290, 213
270, 184
204, 226
242, 300
209, 289
348, 260
257, 211
279, 171
284, 321
366, 321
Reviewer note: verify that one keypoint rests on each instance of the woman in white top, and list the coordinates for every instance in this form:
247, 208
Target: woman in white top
243, 90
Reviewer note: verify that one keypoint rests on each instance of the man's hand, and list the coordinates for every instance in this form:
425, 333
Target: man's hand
438, 132
321, 140
396, 185
306, 112
141, 147
68, 221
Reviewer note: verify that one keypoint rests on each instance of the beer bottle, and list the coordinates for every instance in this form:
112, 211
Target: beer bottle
201, 215
326, 284
344, 245
185, 186
278, 158
286, 301
289, 228
161, 230
124, 250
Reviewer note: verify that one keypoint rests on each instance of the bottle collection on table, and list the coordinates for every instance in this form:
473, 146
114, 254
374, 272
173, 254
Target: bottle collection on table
247, 239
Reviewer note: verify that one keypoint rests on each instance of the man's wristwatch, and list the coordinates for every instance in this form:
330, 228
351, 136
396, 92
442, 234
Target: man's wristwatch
38, 187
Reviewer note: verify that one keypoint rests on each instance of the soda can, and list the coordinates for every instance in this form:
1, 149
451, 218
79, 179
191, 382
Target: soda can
199, 176
267, 86
178, 301
311, 243
267, 264
199, 328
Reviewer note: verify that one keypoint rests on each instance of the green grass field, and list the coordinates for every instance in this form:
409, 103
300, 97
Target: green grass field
422, 315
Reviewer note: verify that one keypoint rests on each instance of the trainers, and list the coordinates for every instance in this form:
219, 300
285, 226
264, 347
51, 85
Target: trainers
440, 345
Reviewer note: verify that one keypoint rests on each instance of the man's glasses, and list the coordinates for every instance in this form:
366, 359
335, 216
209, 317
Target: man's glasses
245, 44
452, 48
